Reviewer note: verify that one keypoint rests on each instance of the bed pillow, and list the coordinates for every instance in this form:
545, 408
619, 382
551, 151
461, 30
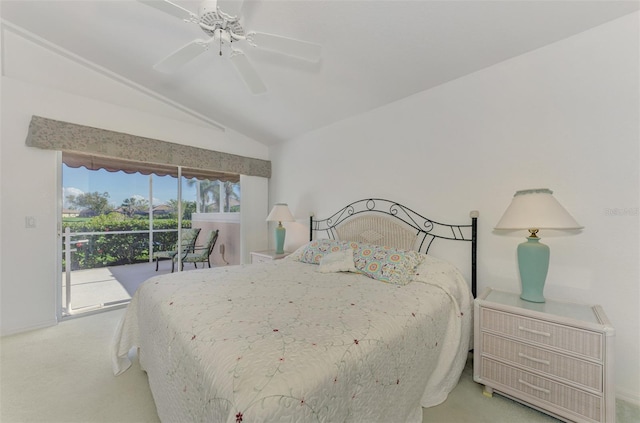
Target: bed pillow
314, 251
338, 261
386, 264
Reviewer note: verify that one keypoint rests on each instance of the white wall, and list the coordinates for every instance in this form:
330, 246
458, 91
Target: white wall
254, 210
563, 117
55, 89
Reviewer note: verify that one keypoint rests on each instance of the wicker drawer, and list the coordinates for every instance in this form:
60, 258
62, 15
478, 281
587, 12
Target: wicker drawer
567, 338
538, 390
581, 372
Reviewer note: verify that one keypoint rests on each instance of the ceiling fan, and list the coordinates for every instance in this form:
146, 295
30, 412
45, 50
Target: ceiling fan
225, 31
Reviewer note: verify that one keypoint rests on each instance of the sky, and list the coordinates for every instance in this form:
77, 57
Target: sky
121, 185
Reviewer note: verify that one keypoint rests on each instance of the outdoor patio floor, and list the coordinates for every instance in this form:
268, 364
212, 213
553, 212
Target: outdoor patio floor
92, 288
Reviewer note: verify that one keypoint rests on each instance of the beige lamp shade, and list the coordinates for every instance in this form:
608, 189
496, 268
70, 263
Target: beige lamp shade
536, 209
280, 213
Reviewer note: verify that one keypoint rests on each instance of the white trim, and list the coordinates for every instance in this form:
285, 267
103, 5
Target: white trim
58, 246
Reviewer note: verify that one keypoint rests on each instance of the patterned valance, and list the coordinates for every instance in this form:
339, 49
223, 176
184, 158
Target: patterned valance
111, 164
124, 148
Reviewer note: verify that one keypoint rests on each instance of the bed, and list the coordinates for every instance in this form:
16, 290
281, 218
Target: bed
344, 329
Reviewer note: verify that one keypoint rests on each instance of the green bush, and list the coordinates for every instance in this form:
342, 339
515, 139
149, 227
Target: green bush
118, 249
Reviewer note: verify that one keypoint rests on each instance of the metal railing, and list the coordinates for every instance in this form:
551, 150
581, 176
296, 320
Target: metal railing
72, 239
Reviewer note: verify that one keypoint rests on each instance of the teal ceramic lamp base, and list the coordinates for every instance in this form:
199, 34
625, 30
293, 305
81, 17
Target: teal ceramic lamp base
280, 233
533, 262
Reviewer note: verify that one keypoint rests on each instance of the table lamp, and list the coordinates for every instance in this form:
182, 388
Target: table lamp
280, 213
535, 209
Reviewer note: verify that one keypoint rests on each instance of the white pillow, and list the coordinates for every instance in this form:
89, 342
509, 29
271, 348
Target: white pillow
339, 261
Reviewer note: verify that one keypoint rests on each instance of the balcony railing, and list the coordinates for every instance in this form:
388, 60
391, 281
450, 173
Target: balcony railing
97, 251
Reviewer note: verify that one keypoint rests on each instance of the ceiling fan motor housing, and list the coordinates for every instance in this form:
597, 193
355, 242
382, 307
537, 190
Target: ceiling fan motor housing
208, 7
213, 19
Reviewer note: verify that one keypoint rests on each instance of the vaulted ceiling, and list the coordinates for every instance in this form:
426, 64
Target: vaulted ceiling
373, 52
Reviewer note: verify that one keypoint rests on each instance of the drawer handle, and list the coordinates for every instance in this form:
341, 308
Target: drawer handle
537, 360
535, 332
534, 387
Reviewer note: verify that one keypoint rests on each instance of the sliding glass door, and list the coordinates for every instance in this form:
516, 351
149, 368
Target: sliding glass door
112, 224
120, 228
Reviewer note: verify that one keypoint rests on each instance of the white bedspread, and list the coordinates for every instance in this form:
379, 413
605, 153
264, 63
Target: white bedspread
282, 342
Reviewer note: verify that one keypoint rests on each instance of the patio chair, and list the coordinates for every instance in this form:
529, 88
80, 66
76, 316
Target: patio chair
202, 254
188, 243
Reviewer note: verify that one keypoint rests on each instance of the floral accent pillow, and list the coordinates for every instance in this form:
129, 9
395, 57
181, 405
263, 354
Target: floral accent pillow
339, 261
386, 264
314, 251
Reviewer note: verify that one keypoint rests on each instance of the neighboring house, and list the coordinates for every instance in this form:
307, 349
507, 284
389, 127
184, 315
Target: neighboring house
162, 209
70, 213
87, 213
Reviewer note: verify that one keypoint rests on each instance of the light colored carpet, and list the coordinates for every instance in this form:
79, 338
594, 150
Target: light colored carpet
63, 374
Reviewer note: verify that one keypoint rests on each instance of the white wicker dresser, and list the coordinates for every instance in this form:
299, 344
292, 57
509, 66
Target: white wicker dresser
556, 357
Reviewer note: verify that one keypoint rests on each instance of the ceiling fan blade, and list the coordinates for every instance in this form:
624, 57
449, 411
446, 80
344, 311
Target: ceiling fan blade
172, 9
247, 72
230, 7
181, 56
284, 45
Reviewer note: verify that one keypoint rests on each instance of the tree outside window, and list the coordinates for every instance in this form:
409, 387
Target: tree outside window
216, 196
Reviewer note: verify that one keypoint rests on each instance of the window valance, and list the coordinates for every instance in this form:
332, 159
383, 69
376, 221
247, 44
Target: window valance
111, 164
110, 150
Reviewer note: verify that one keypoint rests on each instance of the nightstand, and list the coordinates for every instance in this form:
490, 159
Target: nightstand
266, 255
555, 356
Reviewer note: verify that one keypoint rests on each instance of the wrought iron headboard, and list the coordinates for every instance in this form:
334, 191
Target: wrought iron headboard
427, 230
